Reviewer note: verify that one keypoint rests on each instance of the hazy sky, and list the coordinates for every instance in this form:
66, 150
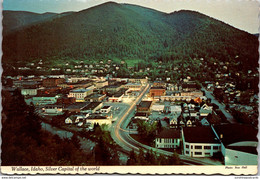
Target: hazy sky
242, 14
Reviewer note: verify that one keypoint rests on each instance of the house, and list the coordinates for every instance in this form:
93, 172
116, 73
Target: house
173, 123
157, 91
168, 138
157, 107
144, 107
238, 143
205, 110
205, 122
106, 109
80, 94
53, 109
75, 119
29, 91
200, 142
52, 82
92, 107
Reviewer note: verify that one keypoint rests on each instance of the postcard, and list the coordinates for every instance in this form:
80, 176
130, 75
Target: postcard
130, 87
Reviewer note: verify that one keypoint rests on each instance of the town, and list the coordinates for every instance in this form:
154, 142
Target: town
208, 123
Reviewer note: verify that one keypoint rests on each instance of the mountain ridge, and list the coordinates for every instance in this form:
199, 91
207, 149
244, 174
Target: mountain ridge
113, 30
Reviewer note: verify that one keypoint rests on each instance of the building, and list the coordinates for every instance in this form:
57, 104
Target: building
53, 109
113, 88
144, 107
238, 143
158, 107
52, 82
98, 119
200, 142
133, 86
101, 84
66, 100
168, 138
80, 94
142, 116
159, 84
92, 107
205, 110
95, 97
29, 92
76, 107
106, 109
157, 91
142, 81
175, 109
41, 100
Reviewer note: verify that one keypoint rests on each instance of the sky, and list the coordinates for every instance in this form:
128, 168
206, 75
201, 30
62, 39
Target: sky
242, 14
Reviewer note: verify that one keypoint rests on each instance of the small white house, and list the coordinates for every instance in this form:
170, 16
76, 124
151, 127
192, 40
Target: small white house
106, 109
205, 110
168, 138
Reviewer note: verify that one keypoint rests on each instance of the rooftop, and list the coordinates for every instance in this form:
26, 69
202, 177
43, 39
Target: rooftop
169, 133
233, 133
80, 90
157, 88
77, 105
199, 135
96, 117
106, 107
145, 104
91, 106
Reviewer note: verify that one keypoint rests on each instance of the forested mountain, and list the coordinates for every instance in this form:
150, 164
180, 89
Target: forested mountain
15, 20
114, 30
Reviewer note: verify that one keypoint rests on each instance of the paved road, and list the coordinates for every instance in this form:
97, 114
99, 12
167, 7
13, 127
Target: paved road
220, 105
122, 137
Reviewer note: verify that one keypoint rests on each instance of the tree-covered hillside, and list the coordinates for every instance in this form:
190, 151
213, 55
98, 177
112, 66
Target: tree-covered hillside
114, 30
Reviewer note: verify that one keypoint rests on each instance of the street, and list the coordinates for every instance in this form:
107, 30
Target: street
121, 137
220, 105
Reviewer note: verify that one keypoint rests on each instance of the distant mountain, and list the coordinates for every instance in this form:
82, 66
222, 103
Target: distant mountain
14, 20
114, 30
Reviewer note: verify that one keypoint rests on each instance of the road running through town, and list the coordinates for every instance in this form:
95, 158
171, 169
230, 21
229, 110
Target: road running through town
123, 139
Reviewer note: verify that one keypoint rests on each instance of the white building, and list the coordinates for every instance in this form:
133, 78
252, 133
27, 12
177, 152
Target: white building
106, 109
200, 142
30, 92
157, 107
205, 110
80, 94
168, 138
53, 109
